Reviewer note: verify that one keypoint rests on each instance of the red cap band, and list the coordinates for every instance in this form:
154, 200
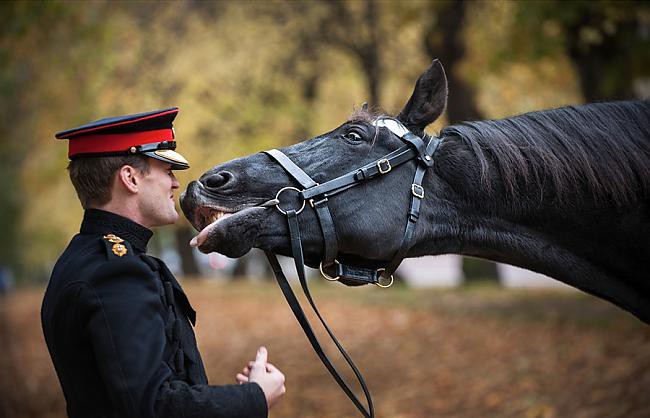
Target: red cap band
98, 144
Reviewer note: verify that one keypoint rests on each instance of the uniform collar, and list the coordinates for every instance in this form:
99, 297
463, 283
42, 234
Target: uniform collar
97, 221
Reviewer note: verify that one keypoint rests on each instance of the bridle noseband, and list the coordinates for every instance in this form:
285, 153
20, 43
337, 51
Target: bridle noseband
317, 196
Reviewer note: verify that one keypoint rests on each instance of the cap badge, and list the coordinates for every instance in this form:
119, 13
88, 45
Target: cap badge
119, 250
113, 238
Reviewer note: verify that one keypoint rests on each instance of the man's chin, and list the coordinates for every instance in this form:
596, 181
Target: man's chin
170, 219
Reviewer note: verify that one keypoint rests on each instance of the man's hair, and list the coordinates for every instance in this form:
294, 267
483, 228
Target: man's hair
93, 177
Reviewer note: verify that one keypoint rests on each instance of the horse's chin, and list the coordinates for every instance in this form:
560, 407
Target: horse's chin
231, 234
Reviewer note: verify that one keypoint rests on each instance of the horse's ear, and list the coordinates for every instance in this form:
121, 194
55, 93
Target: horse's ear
364, 106
428, 100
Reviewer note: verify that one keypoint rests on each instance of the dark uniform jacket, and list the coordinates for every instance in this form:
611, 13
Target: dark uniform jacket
119, 330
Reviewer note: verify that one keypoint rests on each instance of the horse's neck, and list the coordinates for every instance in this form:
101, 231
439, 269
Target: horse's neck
596, 249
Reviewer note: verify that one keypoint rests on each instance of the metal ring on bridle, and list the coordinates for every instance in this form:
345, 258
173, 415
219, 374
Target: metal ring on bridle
325, 275
379, 283
277, 196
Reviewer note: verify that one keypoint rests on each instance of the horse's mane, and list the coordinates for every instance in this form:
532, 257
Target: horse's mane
603, 147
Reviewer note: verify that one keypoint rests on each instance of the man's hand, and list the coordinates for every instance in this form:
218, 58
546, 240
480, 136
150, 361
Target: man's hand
270, 379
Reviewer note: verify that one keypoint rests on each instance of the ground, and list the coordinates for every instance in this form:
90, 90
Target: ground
474, 352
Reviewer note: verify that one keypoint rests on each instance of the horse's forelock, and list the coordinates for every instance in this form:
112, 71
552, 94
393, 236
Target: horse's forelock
368, 115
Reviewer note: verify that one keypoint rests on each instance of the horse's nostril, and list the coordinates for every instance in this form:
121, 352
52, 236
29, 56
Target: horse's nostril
218, 180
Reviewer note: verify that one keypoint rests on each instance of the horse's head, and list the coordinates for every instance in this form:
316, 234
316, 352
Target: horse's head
226, 203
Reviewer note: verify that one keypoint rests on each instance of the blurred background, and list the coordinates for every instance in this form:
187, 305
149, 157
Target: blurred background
252, 75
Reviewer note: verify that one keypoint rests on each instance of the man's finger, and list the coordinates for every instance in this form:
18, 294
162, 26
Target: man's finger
261, 357
241, 378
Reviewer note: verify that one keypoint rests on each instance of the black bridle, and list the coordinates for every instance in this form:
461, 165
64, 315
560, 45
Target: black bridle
317, 195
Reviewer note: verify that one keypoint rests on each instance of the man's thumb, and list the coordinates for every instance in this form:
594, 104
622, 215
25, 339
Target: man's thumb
261, 357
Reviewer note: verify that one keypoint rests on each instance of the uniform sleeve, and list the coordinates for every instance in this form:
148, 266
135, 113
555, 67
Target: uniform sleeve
121, 310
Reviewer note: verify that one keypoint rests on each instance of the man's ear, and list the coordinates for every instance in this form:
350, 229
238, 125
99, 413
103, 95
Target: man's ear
428, 100
128, 177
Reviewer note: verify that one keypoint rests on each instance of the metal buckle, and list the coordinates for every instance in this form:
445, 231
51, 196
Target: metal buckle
313, 204
383, 170
417, 190
382, 285
277, 197
325, 275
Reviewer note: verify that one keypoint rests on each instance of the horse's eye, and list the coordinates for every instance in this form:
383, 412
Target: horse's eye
353, 136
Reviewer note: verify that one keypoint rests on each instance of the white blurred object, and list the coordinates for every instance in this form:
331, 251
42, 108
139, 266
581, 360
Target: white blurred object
289, 269
512, 276
432, 271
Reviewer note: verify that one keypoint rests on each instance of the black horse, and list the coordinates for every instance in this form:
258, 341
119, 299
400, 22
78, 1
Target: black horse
564, 192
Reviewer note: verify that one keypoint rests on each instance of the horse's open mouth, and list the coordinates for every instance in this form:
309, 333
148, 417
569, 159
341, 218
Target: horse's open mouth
225, 226
206, 215
206, 218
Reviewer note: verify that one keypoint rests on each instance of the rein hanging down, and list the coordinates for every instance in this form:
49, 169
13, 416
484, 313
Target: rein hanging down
317, 196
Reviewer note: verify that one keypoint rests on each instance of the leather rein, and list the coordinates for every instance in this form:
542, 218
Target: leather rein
317, 196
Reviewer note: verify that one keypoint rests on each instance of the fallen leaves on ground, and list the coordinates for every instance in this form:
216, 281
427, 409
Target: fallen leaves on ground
482, 352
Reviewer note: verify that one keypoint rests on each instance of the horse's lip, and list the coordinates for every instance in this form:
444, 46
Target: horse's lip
206, 213
205, 217
213, 220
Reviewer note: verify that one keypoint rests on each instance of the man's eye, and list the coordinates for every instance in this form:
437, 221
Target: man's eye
353, 136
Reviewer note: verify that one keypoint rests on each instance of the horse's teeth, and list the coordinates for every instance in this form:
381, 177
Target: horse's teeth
215, 215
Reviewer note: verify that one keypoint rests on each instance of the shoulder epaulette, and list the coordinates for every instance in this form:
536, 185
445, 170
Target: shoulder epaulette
116, 246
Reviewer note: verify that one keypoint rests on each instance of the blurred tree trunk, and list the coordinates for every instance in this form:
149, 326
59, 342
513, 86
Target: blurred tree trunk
443, 39
183, 235
608, 43
306, 54
600, 59
359, 35
369, 54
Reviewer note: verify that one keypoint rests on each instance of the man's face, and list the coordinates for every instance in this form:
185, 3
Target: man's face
156, 197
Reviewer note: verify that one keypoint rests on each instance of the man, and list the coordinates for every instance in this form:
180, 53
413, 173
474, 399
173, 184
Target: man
117, 323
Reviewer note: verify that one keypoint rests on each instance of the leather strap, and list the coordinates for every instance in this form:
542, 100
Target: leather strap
330, 241
296, 248
290, 167
367, 172
414, 209
357, 275
421, 148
